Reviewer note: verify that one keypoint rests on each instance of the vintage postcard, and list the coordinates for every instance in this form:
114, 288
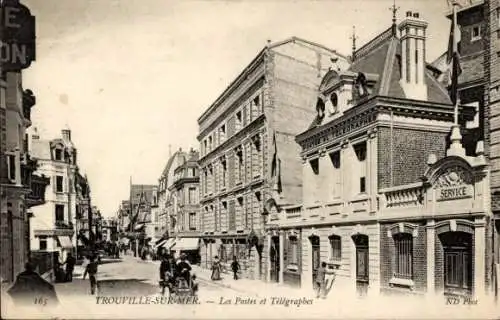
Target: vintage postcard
270, 159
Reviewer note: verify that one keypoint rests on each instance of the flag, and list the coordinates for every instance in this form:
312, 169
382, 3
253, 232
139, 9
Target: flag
453, 58
276, 166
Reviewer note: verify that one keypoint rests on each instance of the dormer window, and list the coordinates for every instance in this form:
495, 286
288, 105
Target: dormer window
320, 108
334, 100
58, 154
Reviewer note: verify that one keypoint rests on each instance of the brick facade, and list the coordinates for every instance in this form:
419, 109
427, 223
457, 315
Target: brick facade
419, 259
410, 150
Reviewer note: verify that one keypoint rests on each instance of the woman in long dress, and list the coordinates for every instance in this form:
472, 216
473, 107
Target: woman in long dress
216, 269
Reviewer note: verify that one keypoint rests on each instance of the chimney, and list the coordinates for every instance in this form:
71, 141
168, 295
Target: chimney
66, 134
412, 30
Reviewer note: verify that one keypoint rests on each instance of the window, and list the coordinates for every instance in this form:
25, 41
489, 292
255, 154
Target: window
192, 196
335, 247
337, 179
59, 212
43, 243
11, 167
360, 150
256, 157
209, 143
224, 171
193, 172
315, 166
403, 243
58, 154
192, 221
476, 33
242, 212
239, 165
222, 253
59, 183
334, 100
223, 215
239, 120
293, 251
205, 181
205, 147
222, 133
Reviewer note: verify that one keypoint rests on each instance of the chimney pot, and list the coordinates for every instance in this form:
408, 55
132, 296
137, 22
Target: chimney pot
416, 15
408, 13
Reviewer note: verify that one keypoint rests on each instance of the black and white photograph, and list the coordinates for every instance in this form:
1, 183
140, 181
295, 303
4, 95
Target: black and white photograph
250, 159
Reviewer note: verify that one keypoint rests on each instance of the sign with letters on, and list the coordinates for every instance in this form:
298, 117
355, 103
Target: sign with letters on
451, 193
17, 36
454, 183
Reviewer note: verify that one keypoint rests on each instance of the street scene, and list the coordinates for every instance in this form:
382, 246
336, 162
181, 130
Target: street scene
269, 159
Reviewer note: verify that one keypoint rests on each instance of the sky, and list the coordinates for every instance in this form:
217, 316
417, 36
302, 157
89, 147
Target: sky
131, 77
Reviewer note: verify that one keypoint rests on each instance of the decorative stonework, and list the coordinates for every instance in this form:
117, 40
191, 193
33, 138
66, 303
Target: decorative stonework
453, 177
402, 227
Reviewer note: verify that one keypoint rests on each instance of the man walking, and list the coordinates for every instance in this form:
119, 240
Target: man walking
321, 281
70, 266
91, 269
235, 266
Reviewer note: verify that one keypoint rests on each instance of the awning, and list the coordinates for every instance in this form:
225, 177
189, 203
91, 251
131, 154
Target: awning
65, 242
184, 244
161, 243
139, 226
169, 243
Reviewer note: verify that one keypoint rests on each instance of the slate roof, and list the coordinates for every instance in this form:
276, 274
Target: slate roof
382, 57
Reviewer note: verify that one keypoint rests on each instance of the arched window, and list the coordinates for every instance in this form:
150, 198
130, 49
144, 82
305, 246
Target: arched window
334, 99
320, 108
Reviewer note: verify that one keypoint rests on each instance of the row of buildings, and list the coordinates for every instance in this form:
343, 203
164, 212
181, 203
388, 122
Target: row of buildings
362, 161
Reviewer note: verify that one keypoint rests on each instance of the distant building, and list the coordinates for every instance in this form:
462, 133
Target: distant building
186, 221
53, 225
249, 161
141, 200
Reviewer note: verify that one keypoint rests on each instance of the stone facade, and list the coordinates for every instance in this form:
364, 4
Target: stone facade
392, 202
249, 127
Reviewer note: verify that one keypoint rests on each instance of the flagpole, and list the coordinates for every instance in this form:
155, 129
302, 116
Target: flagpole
455, 49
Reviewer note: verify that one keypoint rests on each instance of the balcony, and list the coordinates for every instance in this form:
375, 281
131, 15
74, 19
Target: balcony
61, 224
408, 198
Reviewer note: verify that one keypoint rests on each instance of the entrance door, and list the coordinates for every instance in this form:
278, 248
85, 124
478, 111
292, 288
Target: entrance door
275, 259
316, 257
457, 255
362, 264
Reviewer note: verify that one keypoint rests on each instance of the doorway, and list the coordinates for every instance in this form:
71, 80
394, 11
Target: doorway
362, 264
315, 256
457, 259
275, 259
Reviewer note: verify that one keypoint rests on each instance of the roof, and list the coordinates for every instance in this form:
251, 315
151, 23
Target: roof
234, 84
380, 59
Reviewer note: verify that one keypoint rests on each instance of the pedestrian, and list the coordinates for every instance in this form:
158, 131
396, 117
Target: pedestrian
70, 266
183, 267
321, 280
235, 266
30, 288
216, 268
91, 270
165, 274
